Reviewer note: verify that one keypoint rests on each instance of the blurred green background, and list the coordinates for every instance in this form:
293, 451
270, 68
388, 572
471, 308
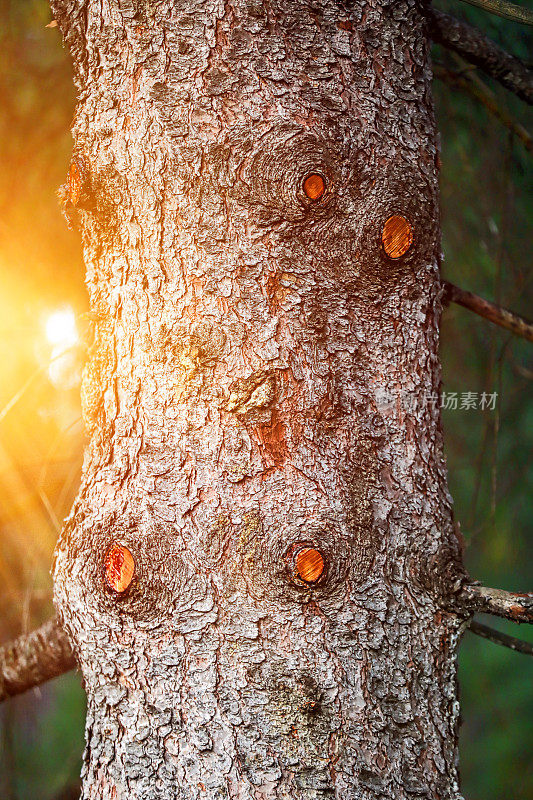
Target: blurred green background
486, 209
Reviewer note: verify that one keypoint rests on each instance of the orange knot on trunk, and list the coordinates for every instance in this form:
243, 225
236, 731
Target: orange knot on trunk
397, 236
314, 186
119, 568
309, 565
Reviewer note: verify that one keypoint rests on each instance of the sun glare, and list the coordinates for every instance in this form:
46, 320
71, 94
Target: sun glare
61, 329
62, 334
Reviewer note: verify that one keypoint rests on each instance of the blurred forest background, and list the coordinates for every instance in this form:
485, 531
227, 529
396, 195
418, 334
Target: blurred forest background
486, 210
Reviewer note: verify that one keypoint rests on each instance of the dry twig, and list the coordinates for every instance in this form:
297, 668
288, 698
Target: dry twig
501, 638
476, 48
34, 659
495, 314
502, 8
517, 607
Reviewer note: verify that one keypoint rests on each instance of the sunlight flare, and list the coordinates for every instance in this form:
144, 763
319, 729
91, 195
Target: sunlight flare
60, 328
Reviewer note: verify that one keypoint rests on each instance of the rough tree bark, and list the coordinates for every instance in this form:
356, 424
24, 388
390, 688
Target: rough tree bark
262, 380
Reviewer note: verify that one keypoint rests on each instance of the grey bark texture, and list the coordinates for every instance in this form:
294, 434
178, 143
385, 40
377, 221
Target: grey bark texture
263, 376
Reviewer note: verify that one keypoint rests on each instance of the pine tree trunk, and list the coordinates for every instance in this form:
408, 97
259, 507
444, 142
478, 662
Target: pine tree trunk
260, 399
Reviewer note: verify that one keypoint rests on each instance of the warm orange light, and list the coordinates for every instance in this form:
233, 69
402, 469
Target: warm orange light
309, 565
314, 186
397, 236
119, 568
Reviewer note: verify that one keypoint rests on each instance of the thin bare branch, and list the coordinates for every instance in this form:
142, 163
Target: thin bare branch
475, 599
520, 370
495, 314
502, 8
501, 638
478, 49
477, 89
34, 659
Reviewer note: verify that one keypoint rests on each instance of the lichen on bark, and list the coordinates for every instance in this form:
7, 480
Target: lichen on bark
264, 376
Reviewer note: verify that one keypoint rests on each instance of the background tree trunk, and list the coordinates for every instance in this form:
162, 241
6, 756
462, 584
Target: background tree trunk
263, 379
